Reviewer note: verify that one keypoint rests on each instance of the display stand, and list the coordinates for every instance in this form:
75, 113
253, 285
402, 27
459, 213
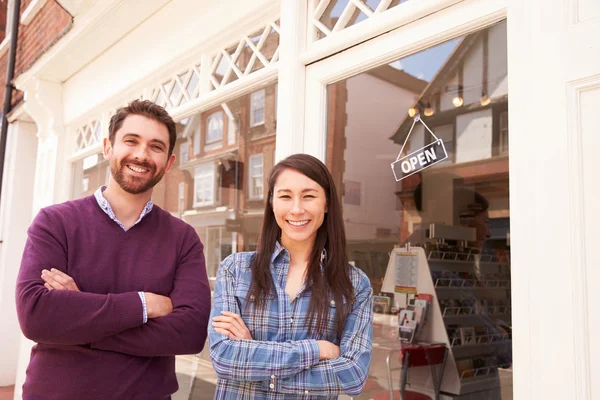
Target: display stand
470, 313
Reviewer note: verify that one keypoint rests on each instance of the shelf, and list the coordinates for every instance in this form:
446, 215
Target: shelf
439, 255
480, 340
458, 319
472, 311
483, 372
471, 284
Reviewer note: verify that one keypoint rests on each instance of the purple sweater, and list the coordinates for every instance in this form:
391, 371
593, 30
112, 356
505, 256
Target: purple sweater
93, 344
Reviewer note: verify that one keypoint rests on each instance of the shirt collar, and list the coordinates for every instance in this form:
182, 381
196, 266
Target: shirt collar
105, 206
279, 249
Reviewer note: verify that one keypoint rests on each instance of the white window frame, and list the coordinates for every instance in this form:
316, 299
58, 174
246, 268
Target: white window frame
211, 143
257, 103
205, 174
255, 176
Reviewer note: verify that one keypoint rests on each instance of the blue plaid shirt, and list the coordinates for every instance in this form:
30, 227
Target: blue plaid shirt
282, 362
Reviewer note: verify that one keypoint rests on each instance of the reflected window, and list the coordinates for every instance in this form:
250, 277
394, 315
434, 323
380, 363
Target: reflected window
214, 130
204, 185
257, 108
256, 176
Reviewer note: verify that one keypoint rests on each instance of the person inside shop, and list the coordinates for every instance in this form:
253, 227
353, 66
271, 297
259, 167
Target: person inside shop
293, 318
112, 287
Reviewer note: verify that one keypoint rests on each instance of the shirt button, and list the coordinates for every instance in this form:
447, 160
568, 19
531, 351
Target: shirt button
306, 392
291, 319
272, 376
252, 297
272, 386
332, 302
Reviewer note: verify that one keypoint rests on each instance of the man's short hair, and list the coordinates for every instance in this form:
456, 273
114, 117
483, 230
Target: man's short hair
147, 109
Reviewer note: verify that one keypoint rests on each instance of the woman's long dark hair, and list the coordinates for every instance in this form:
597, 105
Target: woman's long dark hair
335, 280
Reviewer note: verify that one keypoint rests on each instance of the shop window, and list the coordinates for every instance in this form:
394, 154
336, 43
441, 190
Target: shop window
256, 178
204, 185
257, 108
454, 212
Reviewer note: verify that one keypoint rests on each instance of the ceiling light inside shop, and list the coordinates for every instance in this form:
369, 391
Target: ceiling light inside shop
412, 112
428, 111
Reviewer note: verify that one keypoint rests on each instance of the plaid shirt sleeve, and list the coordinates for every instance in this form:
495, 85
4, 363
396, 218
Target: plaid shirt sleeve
348, 373
252, 360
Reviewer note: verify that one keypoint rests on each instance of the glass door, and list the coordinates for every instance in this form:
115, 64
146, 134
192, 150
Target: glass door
417, 144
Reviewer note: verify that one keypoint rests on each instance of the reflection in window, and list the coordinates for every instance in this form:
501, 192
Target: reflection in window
89, 174
257, 108
457, 211
214, 130
204, 185
85, 184
184, 152
256, 176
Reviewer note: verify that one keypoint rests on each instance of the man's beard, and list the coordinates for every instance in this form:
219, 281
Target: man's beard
133, 184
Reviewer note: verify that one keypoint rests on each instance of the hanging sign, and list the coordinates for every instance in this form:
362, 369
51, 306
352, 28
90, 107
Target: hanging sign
420, 159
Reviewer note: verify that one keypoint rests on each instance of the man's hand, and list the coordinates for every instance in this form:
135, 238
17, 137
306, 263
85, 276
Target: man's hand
328, 350
232, 326
157, 305
58, 280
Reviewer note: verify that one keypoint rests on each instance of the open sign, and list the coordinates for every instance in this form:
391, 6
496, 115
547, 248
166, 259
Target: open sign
418, 160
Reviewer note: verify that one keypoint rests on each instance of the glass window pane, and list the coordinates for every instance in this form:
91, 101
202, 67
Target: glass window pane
439, 118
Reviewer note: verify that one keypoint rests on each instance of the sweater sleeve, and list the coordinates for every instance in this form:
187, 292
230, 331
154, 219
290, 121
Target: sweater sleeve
184, 330
61, 316
253, 360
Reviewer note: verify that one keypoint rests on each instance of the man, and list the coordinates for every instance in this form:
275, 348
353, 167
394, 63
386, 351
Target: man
111, 287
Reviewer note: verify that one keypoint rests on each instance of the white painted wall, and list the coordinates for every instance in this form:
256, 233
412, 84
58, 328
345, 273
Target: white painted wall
17, 200
375, 109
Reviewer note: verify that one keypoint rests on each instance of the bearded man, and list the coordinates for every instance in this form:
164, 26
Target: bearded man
111, 287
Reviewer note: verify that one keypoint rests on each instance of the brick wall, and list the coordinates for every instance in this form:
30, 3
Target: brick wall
49, 25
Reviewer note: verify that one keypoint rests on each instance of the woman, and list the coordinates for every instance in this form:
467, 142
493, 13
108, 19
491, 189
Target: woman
294, 319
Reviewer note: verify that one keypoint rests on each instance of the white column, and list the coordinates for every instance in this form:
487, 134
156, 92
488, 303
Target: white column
19, 169
292, 72
44, 104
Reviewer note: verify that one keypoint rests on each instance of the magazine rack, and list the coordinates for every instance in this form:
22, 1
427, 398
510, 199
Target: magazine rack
470, 313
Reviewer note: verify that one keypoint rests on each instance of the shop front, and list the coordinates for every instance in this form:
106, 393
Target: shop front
460, 137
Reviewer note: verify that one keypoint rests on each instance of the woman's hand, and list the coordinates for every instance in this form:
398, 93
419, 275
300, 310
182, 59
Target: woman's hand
328, 350
232, 326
